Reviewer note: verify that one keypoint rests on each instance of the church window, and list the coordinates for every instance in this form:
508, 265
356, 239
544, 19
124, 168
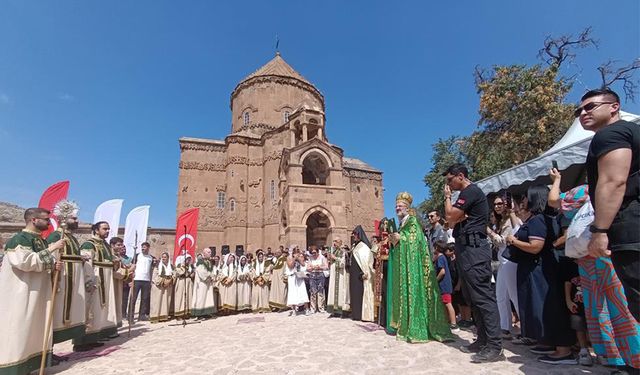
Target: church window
221, 198
272, 188
286, 116
315, 170
246, 118
232, 205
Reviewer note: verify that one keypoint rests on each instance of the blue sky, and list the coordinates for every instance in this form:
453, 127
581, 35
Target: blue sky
99, 92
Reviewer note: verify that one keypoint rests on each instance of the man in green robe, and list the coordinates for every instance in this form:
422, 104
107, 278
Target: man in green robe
69, 308
416, 313
25, 289
101, 303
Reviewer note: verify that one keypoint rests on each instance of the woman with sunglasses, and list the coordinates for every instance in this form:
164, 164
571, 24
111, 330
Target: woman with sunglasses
507, 223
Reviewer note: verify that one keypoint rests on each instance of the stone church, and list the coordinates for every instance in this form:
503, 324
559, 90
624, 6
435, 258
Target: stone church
276, 179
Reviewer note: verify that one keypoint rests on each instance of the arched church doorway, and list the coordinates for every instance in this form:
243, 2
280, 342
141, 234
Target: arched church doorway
318, 229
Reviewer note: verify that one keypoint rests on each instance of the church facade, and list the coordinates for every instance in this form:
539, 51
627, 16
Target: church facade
276, 179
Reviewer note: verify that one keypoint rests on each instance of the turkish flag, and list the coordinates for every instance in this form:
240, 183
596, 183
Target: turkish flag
186, 233
54, 194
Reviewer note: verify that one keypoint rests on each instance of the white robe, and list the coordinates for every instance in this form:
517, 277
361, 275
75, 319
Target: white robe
204, 300
338, 300
363, 255
25, 291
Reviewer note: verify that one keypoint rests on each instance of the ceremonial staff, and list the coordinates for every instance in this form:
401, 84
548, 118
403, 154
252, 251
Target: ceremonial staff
63, 210
133, 285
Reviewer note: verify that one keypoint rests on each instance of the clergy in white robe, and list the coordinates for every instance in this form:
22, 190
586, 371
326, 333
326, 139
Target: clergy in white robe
228, 286
260, 279
204, 298
363, 258
337, 300
101, 311
278, 286
25, 291
161, 290
244, 282
183, 292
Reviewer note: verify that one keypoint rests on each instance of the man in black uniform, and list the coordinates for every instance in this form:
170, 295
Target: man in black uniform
470, 214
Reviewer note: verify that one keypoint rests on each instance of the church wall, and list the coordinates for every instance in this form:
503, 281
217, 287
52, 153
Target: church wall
237, 189
201, 176
365, 199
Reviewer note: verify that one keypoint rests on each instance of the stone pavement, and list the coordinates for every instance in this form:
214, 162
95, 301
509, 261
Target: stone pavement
278, 344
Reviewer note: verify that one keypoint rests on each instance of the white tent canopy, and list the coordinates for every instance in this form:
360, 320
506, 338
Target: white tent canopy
570, 153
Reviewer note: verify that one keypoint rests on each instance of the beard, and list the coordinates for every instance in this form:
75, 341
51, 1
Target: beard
41, 227
72, 226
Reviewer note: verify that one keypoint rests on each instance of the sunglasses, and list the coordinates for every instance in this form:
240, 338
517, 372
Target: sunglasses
498, 203
589, 107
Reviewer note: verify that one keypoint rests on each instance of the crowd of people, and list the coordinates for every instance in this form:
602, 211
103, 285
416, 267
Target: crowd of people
489, 263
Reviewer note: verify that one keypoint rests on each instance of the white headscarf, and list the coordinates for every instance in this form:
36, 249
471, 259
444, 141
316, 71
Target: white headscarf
228, 269
243, 270
168, 270
180, 259
260, 265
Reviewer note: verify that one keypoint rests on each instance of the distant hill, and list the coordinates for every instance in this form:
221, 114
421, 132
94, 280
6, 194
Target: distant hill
11, 213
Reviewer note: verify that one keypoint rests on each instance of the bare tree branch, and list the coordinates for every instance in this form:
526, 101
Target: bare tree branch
609, 74
558, 50
480, 75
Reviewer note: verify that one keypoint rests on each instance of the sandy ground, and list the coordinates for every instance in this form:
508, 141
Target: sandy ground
278, 344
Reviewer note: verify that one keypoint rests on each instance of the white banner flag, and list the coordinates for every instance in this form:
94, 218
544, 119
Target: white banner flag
109, 211
135, 229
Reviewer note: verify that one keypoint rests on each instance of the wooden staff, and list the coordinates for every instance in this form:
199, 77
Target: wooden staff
49, 321
132, 307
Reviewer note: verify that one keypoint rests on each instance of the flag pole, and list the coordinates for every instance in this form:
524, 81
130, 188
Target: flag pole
133, 286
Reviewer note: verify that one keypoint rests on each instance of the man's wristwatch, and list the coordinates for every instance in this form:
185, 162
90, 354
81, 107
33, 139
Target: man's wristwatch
594, 229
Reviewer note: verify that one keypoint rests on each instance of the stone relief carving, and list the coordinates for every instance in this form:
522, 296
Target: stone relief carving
201, 166
255, 183
208, 147
211, 218
354, 173
257, 126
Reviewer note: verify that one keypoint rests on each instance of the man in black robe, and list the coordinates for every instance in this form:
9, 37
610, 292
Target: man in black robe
356, 279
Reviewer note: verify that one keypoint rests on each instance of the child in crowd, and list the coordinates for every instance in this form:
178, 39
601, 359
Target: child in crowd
444, 280
458, 301
574, 301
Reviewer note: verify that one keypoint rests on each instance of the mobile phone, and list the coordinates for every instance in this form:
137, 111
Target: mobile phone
554, 164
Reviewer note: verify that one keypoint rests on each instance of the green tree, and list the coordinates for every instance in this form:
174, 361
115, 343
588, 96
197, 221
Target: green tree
445, 152
522, 114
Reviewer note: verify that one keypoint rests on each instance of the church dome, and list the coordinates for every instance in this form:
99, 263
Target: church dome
276, 67
264, 99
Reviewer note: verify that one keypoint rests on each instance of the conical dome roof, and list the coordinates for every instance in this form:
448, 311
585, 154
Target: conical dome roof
277, 67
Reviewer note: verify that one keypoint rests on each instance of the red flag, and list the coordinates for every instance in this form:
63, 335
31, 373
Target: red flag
54, 194
187, 233
376, 225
